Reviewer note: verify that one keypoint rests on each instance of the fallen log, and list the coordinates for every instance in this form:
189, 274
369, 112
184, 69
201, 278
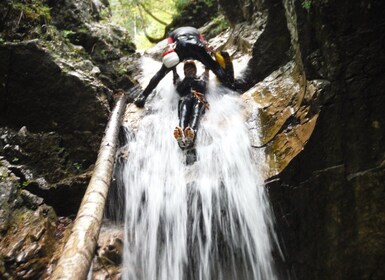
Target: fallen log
80, 247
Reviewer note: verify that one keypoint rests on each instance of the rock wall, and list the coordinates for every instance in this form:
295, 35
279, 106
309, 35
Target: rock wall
60, 66
324, 148
329, 199
241, 10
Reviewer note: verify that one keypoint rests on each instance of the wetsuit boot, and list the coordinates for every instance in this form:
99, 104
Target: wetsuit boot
178, 135
189, 134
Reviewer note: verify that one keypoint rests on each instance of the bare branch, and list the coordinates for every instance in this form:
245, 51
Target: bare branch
151, 14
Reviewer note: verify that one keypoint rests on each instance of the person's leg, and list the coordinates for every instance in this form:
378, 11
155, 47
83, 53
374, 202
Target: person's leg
197, 112
191, 130
185, 110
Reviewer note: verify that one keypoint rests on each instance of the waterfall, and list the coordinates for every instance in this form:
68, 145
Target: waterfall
207, 220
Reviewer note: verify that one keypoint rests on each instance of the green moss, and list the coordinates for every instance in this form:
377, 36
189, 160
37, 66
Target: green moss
32, 9
25, 184
67, 33
105, 14
4, 172
220, 24
78, 166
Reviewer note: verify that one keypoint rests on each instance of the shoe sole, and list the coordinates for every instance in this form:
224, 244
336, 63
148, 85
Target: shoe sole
189, 133
178, 135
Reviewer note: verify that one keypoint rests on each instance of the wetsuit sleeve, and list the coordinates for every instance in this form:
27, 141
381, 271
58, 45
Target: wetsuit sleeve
200, 86
155, 80
175, 77
184, 87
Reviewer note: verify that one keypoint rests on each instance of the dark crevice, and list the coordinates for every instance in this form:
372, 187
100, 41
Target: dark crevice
6, 97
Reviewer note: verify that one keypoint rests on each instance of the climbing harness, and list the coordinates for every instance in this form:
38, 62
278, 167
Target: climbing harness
201, 98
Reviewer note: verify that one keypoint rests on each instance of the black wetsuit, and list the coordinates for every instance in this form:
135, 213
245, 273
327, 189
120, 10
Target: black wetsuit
189, 107
189, 44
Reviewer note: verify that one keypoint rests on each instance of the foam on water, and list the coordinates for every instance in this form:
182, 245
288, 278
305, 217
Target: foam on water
209, 220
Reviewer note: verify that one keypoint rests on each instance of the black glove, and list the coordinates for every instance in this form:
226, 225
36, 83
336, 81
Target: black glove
140, 101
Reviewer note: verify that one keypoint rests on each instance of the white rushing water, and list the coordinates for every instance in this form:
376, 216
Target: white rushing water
209, 220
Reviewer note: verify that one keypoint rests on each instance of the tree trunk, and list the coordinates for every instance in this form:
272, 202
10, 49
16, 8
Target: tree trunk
80, 247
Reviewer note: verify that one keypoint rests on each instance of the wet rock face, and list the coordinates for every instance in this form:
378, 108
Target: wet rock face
56, 90
55, 116
194, 14
271, 49
43, 93
46, 167
329, 199
285, 112
70, 14
240, 10
269, 45
80, 20
105, 43
30, 231
23, 19
109, 257
55, 96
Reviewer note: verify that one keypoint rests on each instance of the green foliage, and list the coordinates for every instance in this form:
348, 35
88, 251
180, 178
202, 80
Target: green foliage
3, 173
25, 184
15, 160
67, 33
105, 13
32, 9
135, 16
209, 2
78, 166
220, 23
306, 4
180, 4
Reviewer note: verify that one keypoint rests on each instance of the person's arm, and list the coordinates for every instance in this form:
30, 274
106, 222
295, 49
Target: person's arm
141, 99
184, 85
175, 77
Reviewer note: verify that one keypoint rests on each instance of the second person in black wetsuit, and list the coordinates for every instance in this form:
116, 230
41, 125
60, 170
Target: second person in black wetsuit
187, 43
191, 106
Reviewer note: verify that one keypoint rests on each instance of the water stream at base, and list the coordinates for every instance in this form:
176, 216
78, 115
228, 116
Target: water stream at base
209, 220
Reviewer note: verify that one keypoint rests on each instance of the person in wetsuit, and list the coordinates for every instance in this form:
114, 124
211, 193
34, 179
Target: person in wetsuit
187, 43
191, 104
